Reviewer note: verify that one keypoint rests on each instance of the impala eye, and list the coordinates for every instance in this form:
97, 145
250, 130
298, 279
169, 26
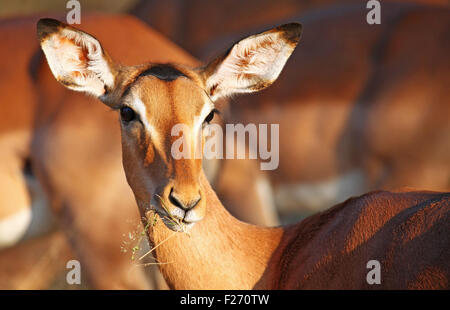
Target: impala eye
127, 114
210, 116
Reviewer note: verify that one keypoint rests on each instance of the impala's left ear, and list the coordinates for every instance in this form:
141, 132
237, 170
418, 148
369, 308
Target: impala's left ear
76, 59
253, 63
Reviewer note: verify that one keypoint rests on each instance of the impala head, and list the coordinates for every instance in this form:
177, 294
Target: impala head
153, 98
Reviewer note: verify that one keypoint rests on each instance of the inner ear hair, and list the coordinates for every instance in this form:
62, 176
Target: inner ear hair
251, 64
76, 59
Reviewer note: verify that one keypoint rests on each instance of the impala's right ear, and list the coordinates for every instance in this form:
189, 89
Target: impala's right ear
76, 59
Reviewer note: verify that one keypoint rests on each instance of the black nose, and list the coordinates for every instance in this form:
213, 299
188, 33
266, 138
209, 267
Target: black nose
180, 203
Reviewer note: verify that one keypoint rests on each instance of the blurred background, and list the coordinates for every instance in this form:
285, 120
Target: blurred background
360, 107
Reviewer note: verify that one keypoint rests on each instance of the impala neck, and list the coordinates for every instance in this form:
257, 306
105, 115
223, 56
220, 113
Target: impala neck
219, 252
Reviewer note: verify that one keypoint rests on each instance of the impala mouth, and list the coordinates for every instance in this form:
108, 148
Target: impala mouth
175, 223
178, 220
181, 226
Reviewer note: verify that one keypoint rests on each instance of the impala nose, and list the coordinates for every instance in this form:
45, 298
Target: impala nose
186, 203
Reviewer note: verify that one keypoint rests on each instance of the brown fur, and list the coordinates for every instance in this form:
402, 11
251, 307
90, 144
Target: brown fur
406, 232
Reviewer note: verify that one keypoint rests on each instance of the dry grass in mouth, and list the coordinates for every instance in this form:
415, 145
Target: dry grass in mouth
171, 218
151, 223
168, 217
135, 238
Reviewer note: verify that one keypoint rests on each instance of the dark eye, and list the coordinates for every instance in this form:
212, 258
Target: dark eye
127, 114
210, 116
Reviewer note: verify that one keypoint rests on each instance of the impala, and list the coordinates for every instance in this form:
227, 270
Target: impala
198, 243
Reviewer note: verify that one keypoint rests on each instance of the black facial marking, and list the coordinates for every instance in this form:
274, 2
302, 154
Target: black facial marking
163, 72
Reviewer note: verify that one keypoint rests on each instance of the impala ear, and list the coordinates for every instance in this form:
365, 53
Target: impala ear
253, 63
76, 59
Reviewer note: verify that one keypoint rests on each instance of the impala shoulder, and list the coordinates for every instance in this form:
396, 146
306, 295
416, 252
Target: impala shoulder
404, 198
332, 237
382, 212
356, 220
